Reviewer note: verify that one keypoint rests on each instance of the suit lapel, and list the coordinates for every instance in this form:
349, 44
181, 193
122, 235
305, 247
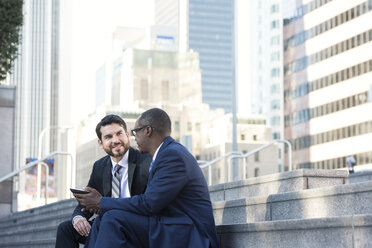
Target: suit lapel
166, 142
107, 175
131, 167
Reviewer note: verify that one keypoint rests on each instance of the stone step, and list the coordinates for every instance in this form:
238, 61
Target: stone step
36, 232
324, 202
277, 183
36, 221
41, 243
360, 176
334, 232
65, 207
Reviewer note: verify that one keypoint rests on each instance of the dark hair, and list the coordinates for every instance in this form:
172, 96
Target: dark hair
107, 120
158, 119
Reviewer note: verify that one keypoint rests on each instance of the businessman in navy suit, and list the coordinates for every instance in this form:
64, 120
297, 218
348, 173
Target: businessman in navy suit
174, 211
113, 138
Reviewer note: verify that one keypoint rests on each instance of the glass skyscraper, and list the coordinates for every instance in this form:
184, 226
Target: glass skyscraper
207, 27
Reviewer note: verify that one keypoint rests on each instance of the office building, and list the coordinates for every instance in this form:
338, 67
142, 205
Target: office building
207, 27
327, 83
39, 96
266, 73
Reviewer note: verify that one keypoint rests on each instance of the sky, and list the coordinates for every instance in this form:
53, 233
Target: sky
89, 25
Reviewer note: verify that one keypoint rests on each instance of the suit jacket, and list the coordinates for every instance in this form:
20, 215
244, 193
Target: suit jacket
101, 177
176, 200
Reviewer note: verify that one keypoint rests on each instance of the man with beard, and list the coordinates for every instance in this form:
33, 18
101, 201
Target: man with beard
174, 211
122, 173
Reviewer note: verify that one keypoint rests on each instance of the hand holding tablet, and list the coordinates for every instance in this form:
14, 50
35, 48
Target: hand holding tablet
78, 191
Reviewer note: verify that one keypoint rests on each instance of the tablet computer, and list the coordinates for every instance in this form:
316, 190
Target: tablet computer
79, 191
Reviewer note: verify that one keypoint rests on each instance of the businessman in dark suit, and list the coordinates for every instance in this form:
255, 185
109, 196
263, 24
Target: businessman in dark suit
174, 211
122, 173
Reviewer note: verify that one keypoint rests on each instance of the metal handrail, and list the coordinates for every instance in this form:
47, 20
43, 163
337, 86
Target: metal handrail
208, 164
26, 166
246, 155
232, 155
33, 163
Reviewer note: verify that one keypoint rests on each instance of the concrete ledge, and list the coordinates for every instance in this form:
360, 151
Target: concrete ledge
345, 231
277, 183
337, 200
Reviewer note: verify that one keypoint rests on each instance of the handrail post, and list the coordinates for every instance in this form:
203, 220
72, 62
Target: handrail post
245, 156
244, 169
39, 154
36, 162
46, 180
209, 175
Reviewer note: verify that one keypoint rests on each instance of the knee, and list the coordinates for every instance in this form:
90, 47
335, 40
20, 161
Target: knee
64, 227
110, 215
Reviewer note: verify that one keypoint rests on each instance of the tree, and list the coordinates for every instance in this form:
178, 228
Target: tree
11, 20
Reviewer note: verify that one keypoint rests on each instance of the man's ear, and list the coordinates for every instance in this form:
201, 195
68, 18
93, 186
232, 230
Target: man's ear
100, 143
127, 133
149, 131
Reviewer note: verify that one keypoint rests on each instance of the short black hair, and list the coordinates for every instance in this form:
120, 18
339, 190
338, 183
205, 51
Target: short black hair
158, 119
107, 120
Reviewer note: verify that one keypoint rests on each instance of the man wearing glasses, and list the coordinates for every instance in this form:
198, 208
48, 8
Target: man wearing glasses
174, 211
122, 173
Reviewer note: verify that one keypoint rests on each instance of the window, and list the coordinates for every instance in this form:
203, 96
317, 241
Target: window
189, 126
274, 8
242, 137
197, 127
275, 40
275, 88
257, 157
177, 126
274, 24
275, 56
256, 172
275, 104
275, 72
254, 137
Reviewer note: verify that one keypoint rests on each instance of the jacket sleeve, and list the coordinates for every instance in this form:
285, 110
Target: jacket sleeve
92, 184
169, 178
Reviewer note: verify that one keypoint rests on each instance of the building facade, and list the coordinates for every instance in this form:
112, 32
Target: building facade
327, 82
252, 133
39, 97
207, 27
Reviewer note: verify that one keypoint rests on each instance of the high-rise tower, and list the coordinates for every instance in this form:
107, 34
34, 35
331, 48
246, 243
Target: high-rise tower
327, 83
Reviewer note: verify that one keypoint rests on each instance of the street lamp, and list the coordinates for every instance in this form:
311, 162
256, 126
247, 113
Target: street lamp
39, 154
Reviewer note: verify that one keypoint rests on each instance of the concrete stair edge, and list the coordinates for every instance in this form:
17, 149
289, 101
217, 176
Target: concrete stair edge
344, 231
283, 176
299, 224
27, 243
296, 195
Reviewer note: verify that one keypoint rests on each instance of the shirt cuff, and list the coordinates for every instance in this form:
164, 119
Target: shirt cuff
76, 218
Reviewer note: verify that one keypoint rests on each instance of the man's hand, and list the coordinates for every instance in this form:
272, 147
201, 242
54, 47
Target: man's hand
81, 225
90, 201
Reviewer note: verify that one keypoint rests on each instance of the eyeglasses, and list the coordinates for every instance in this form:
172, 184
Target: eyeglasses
134, 131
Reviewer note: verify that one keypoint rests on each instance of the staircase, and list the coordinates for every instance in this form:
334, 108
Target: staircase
302, 208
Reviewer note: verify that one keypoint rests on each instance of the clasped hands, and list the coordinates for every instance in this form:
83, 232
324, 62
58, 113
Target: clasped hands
90, 201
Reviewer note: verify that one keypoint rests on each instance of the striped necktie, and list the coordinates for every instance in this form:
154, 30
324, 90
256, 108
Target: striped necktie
115, 191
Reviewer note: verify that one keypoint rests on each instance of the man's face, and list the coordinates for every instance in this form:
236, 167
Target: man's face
114, 141
140, 137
